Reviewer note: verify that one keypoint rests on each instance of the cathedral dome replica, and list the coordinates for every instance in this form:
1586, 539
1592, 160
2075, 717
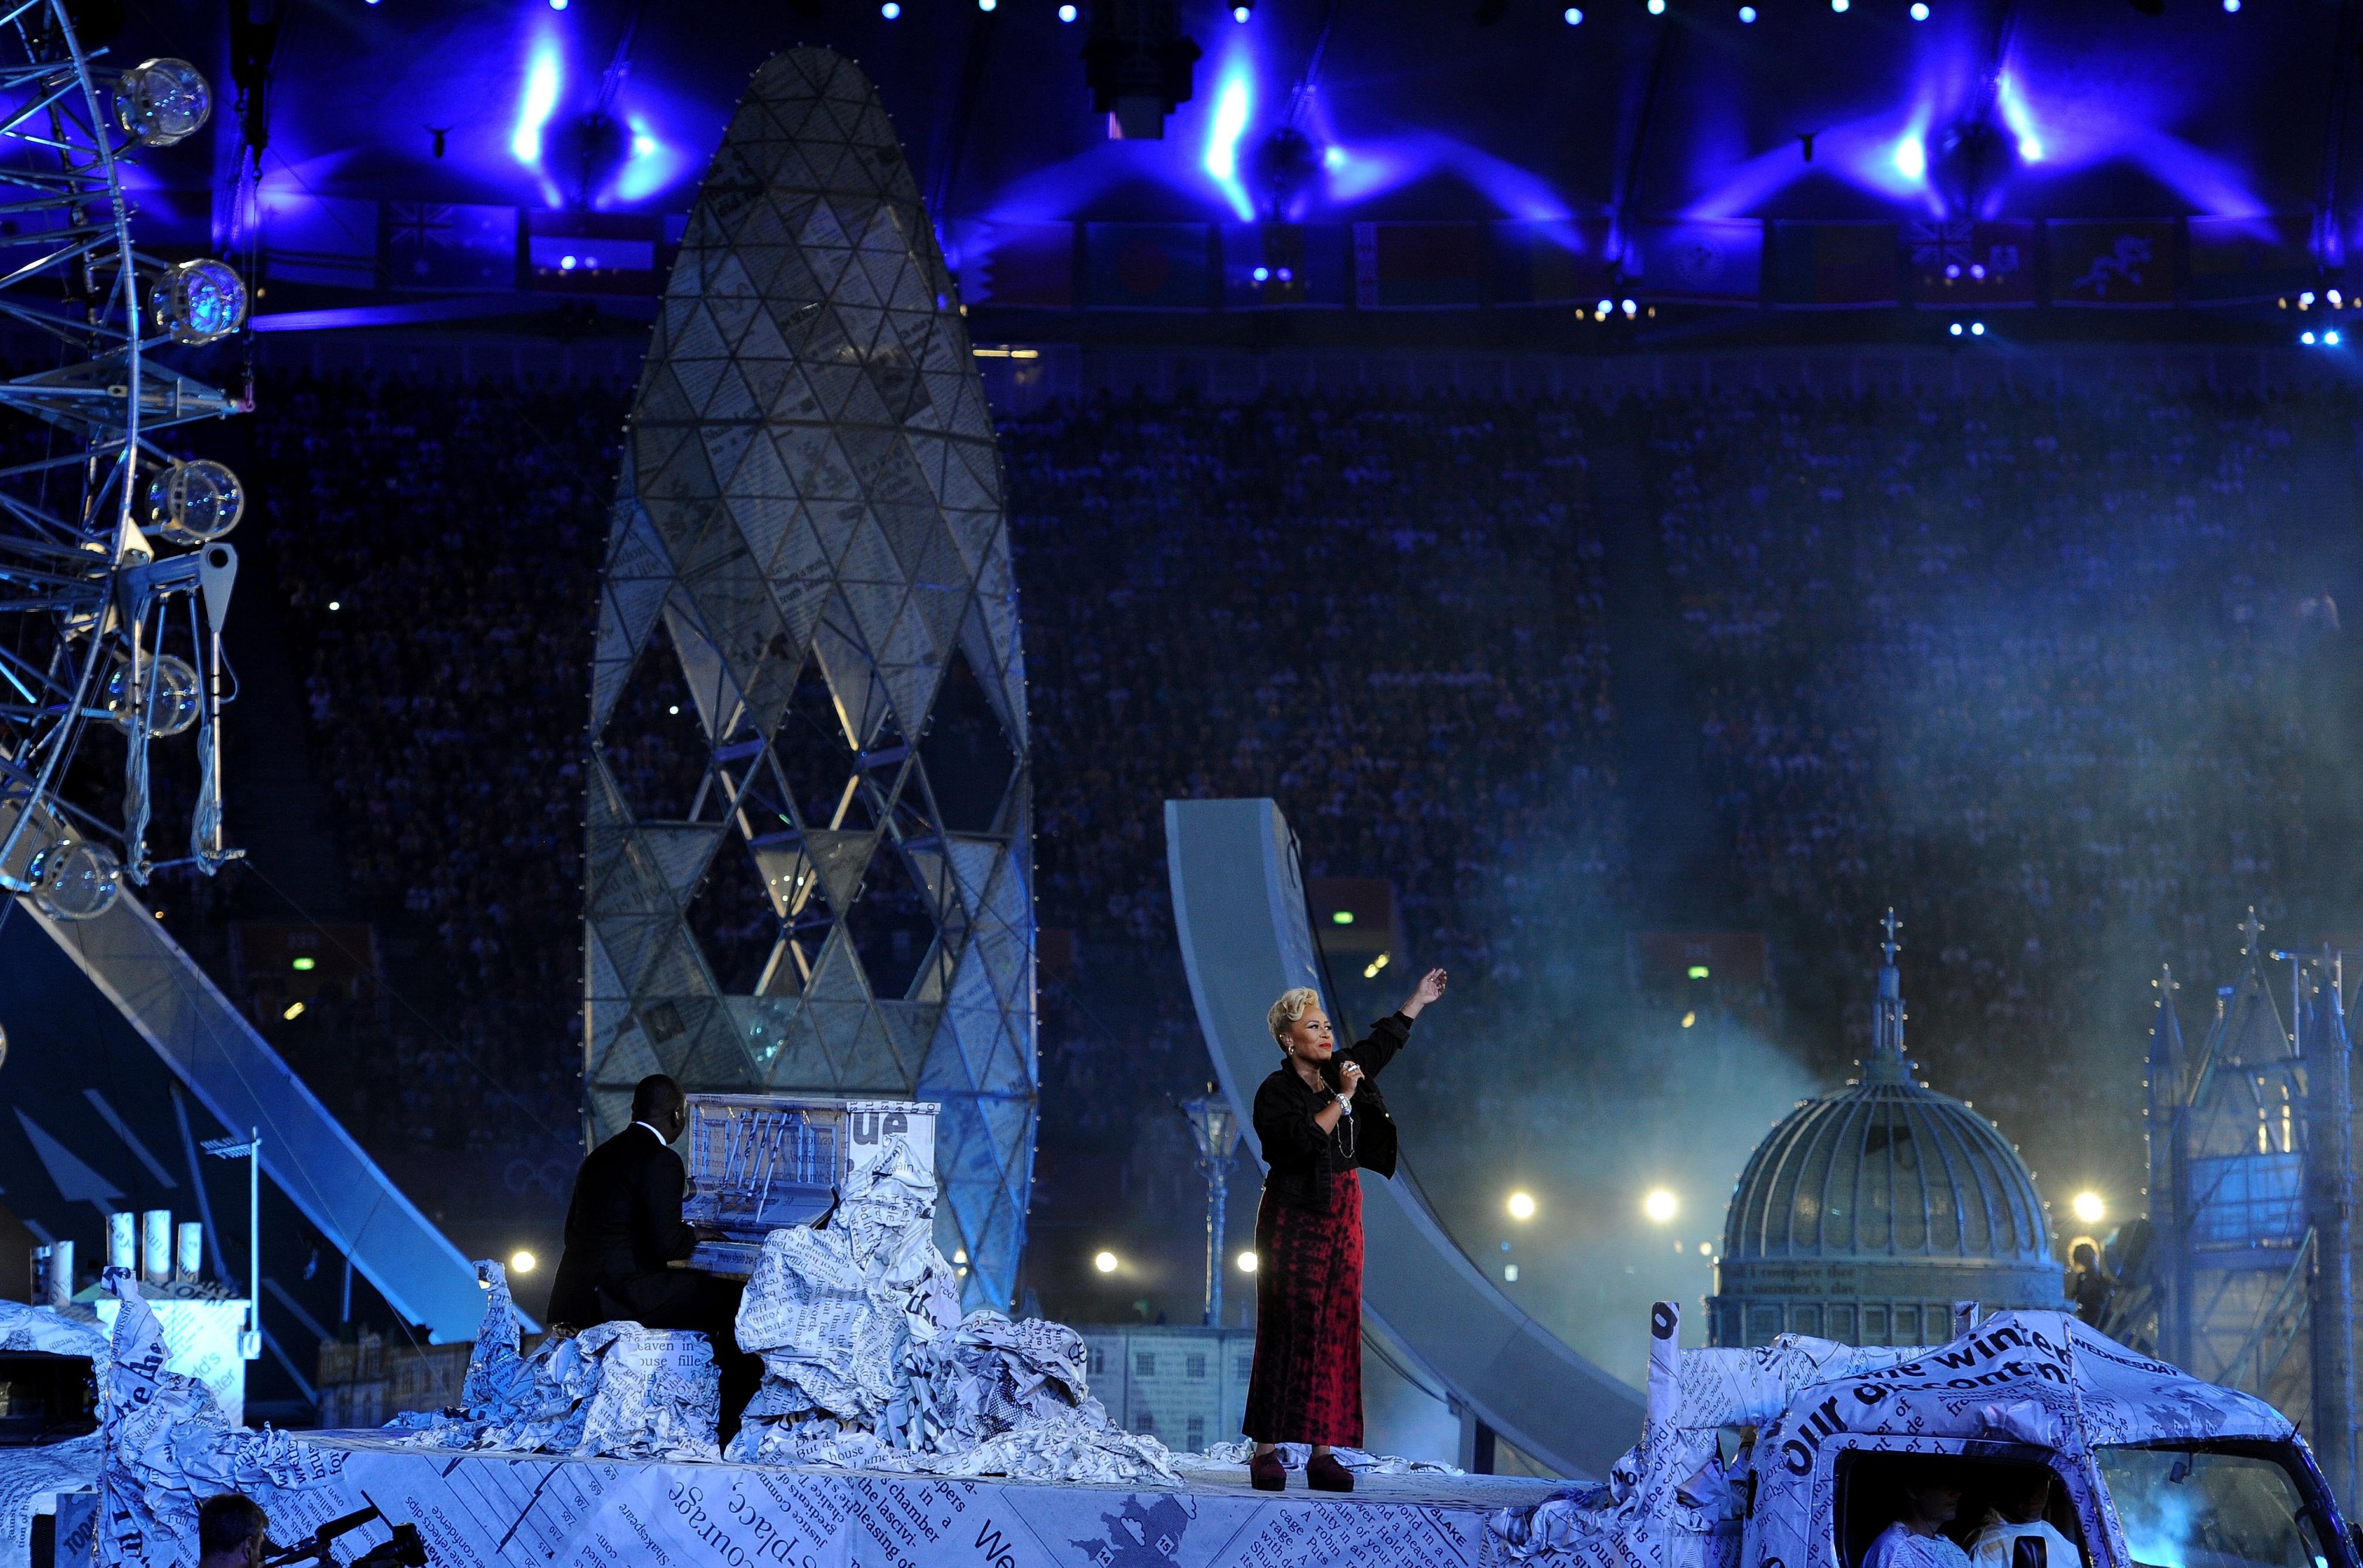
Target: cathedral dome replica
1867, 1212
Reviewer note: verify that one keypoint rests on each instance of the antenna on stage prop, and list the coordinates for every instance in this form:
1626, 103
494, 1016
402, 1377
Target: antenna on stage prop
249, 1148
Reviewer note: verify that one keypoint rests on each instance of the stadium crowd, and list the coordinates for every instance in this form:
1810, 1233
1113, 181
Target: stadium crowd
2039, 672
2043, 674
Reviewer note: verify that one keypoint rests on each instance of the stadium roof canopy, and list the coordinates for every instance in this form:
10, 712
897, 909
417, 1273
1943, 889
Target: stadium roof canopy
1409, 109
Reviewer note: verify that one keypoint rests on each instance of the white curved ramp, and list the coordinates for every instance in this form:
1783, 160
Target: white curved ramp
206, 1043
1239, 910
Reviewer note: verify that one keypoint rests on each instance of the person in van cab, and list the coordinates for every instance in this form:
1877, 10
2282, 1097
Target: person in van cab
1917, 1540
2017, 1516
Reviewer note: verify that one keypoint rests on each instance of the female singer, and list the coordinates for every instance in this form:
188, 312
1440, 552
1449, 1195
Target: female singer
1318, 1118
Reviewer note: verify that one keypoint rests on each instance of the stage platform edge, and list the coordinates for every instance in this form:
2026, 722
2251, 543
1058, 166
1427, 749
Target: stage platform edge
519, 1508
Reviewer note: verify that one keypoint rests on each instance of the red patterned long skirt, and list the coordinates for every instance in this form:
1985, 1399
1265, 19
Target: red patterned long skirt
1308, 1385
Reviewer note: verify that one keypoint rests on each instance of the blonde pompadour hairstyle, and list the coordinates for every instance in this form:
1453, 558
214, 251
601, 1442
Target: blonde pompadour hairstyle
1291, 1006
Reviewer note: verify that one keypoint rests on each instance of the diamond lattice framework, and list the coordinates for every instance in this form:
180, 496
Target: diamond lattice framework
808, 555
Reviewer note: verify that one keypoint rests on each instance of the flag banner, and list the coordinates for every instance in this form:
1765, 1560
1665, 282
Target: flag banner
1017, 263
1419, 266
1701, 260
2122, 265
1267, 265
1147, 266
2248, 259
1833, 266
433, 245
1958, 265
329, 241
1550, 261
592, 253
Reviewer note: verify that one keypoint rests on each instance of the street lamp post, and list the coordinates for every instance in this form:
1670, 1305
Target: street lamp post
1217, 1130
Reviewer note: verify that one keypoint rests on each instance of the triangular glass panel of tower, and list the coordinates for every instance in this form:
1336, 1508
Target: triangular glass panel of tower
808, 539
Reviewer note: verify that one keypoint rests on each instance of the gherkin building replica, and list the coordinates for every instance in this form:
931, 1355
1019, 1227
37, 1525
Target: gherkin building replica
808, 812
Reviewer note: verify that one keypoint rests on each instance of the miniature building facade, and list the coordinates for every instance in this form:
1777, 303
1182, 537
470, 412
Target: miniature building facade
1866, 1213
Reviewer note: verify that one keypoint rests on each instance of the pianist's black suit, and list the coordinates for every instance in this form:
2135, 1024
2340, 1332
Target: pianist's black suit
623, 1226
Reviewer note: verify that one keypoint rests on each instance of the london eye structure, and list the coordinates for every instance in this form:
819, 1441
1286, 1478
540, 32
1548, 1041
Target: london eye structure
114, 577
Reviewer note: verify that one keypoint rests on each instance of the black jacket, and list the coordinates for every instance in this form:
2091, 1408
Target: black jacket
623, 1225
1299, 1157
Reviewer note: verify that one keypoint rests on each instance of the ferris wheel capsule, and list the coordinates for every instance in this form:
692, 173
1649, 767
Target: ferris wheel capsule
198, 302
170, 702
160, 102
76, 879
191, 503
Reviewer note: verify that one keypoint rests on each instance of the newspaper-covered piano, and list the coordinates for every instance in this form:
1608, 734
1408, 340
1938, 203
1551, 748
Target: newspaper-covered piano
760, 1163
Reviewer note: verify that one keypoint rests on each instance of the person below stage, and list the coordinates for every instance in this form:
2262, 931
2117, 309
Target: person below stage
624, 1226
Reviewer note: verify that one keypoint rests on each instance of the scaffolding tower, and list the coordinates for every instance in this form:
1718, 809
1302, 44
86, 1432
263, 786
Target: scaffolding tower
2252, 1174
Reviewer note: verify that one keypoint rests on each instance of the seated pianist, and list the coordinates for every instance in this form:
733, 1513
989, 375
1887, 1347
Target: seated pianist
624, 1229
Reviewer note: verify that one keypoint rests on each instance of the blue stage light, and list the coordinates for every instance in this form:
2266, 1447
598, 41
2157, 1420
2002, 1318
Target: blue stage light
890, 10
1066, 12
1955, 329
987, 5
557, 5
1746, 14
1839, 5
1232, 105
1977, 329
1333, 158
1260, 274
2232, 6
1286, 276
1656, 7
542, 80
1572, 16
2306, 339
1241, 13
1919, 10
1911, 158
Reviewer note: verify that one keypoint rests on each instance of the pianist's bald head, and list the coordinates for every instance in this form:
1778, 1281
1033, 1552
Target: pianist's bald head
656, 1100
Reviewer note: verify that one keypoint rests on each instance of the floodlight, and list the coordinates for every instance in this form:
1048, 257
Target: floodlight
160, 102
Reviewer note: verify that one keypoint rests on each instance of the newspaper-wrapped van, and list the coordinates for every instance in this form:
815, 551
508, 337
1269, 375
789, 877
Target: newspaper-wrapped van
1799, 1454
